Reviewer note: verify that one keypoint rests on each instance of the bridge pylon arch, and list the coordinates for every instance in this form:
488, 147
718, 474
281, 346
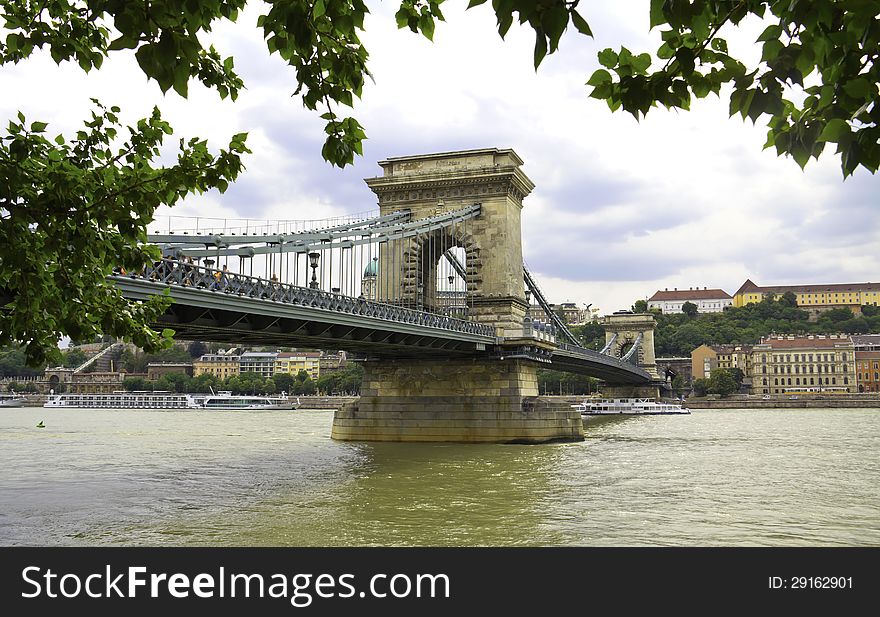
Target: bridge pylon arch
483, 398
430, 184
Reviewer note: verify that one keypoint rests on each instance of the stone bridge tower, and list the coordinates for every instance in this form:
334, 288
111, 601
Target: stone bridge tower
471, 399
622, 331
491, 244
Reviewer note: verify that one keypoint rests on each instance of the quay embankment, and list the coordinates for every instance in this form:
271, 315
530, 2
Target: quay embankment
748, 401
799, 401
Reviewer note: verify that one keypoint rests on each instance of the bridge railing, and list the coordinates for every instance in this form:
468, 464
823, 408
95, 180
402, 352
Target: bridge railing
592, 352
184, 274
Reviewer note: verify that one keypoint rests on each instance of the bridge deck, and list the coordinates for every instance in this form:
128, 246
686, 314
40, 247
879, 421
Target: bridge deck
242, 309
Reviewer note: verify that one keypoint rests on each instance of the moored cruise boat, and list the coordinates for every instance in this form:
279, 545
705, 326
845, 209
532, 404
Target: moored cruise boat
11, 399
224, 399
125, 400
628, 406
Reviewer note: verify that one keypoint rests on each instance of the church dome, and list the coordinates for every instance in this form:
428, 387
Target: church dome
372, 268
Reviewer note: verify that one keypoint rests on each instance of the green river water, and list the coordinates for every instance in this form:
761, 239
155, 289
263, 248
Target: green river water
275, 478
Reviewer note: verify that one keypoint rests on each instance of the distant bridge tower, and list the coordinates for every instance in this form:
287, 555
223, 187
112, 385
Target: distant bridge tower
623, 332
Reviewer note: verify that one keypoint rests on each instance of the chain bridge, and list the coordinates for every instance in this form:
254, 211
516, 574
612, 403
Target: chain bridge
431, 292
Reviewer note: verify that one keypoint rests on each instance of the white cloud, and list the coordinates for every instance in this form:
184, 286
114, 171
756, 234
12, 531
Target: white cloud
621, 208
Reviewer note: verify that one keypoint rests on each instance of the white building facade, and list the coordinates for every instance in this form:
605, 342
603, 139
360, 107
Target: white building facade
706, 300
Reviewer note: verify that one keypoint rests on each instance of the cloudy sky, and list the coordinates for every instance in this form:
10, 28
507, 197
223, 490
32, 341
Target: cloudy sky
620, 208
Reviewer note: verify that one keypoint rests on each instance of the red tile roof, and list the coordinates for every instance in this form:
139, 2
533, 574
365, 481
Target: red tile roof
804, 342
690, 294
750, 287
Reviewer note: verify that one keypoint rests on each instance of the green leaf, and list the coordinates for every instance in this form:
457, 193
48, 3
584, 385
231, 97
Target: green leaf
580, 23
123, 42
771, 33
859, 88
426, 25
474, 3
553, 23
641, 62
599, 77
540, 47
771, 50
608, 58
38, 127
657, 16
685, 58
319, 9
835, 130
801, 155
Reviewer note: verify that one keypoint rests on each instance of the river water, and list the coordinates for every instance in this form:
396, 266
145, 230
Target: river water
275, 478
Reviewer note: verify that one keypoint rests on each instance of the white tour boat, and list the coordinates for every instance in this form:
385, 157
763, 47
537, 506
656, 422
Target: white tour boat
224, 399
169, 400
125, 400
11, 399
628, 406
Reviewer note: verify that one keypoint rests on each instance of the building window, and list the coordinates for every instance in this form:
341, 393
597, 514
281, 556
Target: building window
775, 382
834, 381
811, 381
789, 381
846, 381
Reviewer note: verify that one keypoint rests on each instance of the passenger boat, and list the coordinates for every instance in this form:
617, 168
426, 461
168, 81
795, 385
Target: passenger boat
11, 399
628, 406
126, 400
169, 400
224, 399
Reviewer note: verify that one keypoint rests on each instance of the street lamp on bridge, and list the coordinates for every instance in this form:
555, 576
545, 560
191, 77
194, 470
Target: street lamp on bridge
313, 262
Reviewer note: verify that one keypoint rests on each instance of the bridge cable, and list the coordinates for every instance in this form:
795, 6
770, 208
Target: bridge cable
557, 321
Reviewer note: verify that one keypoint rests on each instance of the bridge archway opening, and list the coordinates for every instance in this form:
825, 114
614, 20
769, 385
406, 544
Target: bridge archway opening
437, 276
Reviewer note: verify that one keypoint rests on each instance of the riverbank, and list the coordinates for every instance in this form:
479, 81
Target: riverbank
835, 401
796, 402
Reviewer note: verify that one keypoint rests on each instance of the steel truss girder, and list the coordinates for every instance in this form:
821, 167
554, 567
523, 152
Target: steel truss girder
383, 233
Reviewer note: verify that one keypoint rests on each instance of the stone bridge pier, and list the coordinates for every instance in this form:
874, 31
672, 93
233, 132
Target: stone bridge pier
459, 399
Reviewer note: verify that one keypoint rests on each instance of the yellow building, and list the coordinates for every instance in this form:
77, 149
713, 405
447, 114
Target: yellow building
296, 361
793, 364
817, 297
706, 358
219, 365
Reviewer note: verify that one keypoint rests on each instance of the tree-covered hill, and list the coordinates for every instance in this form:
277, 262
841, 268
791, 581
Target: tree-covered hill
679, 334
